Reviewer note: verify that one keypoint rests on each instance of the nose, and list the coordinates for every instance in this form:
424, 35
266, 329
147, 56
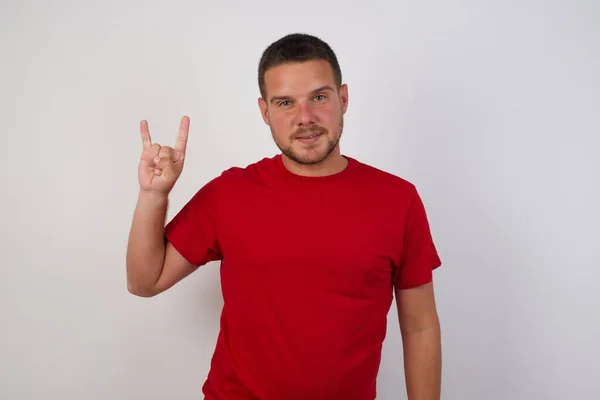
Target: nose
304, 115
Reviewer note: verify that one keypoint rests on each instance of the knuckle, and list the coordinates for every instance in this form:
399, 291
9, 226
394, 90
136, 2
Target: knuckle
165, 151
164, 162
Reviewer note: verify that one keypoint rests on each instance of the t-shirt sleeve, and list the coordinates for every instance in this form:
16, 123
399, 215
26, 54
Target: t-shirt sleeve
419, 256
194, 229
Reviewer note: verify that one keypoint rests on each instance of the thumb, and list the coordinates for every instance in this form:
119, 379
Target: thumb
166, 170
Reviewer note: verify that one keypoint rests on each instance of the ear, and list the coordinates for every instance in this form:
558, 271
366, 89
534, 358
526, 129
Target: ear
264, 110
344, 97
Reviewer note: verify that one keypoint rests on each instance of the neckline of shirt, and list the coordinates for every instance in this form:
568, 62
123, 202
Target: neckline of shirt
341, 175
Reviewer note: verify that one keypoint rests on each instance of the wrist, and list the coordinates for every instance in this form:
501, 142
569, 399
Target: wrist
151, 197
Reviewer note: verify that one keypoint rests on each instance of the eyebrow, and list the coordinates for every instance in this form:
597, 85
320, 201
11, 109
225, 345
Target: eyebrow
322, 88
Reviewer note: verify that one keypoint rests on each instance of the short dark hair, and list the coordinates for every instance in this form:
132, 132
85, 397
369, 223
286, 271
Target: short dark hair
297, 47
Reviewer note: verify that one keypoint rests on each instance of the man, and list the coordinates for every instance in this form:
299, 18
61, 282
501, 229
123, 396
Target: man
312, 243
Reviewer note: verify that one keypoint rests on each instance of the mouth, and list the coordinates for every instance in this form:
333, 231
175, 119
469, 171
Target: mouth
309, 138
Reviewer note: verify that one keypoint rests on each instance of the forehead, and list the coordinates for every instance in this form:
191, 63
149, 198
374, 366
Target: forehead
298, 78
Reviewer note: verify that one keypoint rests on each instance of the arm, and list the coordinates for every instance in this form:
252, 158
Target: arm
421, 339
153, 264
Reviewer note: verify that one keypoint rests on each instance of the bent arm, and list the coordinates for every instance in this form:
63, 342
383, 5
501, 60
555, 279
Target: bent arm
421, 338
153, 264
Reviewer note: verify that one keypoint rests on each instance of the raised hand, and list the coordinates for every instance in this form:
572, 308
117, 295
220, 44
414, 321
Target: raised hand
161, 166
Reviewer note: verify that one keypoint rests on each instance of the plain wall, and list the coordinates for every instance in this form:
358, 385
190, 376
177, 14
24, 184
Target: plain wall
491, 108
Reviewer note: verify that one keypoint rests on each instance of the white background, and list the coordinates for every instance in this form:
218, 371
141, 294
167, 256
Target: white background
491, 108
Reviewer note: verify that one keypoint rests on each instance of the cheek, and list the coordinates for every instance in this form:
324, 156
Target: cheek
281, 121
329, 116
280, 126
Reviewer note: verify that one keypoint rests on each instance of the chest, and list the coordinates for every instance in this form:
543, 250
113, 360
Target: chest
339, 242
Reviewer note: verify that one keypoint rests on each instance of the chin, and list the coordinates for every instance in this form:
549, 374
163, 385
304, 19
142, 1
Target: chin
309, 160
308, 156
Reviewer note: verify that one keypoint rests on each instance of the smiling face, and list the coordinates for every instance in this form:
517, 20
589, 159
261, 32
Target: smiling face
304, 110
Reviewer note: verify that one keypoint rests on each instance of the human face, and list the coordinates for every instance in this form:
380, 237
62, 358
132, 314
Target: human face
304, 110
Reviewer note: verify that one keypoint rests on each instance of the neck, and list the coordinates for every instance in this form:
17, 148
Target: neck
333, 164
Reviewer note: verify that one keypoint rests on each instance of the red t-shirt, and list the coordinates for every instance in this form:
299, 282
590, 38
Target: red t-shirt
308, 268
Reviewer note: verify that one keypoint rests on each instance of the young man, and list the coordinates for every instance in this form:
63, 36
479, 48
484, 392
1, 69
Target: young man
312, 244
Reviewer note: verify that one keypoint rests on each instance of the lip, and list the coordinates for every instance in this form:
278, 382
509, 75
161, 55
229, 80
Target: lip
310, 140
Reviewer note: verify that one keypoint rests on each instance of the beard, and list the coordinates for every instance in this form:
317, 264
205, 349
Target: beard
311, 154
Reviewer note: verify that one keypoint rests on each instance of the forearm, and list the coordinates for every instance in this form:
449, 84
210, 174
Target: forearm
423, 363
146, 247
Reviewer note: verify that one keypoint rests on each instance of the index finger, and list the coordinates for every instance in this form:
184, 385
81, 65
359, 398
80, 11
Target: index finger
145, 133
182, 134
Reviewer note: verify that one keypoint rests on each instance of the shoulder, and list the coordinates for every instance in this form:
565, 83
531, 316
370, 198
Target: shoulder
378, 179
229, 184
255, 169
255, 172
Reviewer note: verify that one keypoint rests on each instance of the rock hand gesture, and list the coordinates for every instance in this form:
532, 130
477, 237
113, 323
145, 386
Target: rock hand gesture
161, 166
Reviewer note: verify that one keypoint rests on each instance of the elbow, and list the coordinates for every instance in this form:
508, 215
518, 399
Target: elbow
138, 291
139, 285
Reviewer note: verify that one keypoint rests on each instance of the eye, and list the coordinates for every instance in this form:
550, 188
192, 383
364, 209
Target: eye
284, 103
320, 97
